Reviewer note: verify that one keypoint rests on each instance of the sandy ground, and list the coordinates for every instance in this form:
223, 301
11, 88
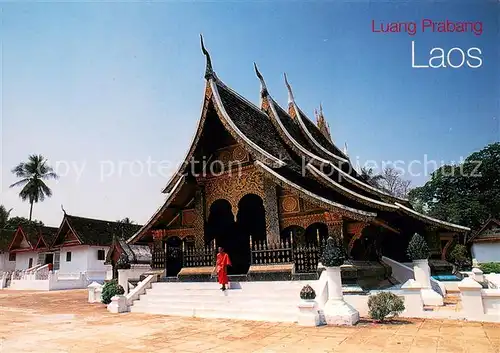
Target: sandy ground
64, 322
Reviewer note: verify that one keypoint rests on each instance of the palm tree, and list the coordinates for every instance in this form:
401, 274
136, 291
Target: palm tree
369, 177
4, 216
32, 174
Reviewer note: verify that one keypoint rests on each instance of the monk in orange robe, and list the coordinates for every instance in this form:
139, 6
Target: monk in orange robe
221, 267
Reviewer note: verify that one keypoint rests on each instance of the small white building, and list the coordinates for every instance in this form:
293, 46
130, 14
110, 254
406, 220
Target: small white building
7, 260
27, 246
486, 242
82, 244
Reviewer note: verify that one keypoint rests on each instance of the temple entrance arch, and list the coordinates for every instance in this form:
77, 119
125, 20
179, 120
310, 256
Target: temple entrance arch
316, 234
250, 222
220, 225
294, 234
173, 255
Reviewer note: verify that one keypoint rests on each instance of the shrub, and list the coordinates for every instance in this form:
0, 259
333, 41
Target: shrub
110, 289
490, 267
417, 248
333, 255
383, 304
460, 257
307, 293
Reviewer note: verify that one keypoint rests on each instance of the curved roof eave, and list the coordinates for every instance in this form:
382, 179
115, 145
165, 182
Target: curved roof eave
312, 156
175, 190
294, 144
349, 193
306, 131
238, 134
355, 213
433, 220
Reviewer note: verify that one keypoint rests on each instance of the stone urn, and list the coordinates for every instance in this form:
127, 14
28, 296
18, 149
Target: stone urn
308, 308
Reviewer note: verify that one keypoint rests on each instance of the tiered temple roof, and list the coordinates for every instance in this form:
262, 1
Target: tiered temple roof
280, 142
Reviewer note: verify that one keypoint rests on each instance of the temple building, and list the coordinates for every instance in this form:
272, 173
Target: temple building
270, 185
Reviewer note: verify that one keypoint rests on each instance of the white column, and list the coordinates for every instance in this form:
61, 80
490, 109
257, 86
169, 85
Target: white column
337, 311
123, 279
422, 272
334, 283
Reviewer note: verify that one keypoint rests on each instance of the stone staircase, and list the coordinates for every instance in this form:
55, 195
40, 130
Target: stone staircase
267, 301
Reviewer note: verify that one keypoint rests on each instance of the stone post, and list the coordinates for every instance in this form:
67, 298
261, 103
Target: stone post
118, 304
472, 301
123, 276
94, 295
414, 305
337, 311
308, 313
477, 275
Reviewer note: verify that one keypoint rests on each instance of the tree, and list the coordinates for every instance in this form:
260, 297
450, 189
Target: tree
465, 193
394, 184
369, 177
390, 181
4, 216
15, 222
32, 174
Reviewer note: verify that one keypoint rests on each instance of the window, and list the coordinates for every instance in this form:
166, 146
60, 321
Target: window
100, 255
12, 256
30, 262
68, 256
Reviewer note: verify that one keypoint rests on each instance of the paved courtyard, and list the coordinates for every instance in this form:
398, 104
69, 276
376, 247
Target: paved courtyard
65, 322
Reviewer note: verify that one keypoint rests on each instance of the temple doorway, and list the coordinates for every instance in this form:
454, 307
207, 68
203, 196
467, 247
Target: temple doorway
293, 235
173, 256
316, 234
250, 222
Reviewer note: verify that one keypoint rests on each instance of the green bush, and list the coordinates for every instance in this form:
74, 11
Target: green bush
110, 289
383, 304
490, 267
418, 248
459, 256
333, 255
307, 293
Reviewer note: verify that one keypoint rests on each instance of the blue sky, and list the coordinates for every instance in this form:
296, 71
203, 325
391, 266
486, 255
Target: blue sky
86, 84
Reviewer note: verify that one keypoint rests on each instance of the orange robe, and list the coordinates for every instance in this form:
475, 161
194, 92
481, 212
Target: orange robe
221, 266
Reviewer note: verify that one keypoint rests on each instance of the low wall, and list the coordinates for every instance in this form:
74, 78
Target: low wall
29, 284
491, 301
137, 270
55, 281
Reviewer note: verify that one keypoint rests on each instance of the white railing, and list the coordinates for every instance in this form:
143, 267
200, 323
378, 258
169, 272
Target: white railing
403, 273
400, 272
33, 269
42, 273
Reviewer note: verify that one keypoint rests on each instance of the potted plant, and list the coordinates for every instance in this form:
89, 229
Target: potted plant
337, 311
308, 311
